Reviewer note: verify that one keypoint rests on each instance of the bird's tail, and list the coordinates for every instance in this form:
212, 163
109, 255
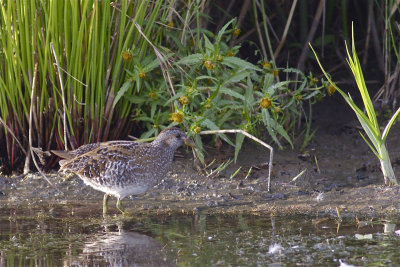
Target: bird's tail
62, 154
65, 155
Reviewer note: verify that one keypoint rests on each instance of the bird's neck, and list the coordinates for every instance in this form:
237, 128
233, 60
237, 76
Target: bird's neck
163, 145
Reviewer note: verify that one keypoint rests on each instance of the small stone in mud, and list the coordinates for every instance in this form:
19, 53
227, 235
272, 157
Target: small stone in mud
362, 173
361, 176
212, 204
180, 189
233, 196
277, 196
302, 193
320, 197
329, 187
305, 156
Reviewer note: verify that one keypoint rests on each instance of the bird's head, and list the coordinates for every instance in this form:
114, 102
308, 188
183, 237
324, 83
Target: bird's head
173, 137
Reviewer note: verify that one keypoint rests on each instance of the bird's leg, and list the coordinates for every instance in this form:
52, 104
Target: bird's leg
105, 200
119, 206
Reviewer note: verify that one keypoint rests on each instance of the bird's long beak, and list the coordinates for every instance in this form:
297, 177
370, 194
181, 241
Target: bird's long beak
189, 142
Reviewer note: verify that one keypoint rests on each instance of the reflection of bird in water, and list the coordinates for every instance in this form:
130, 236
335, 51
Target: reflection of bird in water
123, 168
122, 249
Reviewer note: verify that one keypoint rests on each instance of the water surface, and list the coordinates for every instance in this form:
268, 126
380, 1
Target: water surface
65, 235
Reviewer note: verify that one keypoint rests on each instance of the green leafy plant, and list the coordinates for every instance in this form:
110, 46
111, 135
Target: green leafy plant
215, 89
127, 64
369, 121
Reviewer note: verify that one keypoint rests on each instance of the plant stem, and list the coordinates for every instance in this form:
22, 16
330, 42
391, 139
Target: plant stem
386, 166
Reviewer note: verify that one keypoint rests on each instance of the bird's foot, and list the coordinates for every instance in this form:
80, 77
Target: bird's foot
121, 209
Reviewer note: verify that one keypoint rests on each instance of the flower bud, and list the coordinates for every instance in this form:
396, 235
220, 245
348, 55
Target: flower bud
177, 117
265, 102
184, 100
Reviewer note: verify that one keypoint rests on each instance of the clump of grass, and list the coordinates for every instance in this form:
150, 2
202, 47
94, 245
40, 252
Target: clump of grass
369, 121
93, 41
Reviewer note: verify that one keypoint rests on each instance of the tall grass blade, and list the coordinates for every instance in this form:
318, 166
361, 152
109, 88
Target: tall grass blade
370, 122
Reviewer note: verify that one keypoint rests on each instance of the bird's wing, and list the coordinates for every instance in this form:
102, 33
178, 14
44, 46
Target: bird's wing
93, 163
69, 155
90, 147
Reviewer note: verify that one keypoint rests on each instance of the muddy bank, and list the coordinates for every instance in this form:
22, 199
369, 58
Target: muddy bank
339, 173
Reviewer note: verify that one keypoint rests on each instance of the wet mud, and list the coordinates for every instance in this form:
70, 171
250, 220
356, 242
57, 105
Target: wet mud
338, 174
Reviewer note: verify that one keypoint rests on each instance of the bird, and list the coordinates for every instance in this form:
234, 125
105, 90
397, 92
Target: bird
123, 168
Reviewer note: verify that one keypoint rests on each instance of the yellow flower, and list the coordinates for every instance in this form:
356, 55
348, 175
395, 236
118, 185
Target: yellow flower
277, 109
331, 89
219, 58
177, 117
230, 54
276, 72
236, 32
265, 102
209, 65
142, 75
208, 105
197, 129
299, 97
152, 95
171, 24
267, 65
184, 100
127, 56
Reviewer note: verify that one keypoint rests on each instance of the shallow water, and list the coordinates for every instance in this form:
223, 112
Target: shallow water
64, 235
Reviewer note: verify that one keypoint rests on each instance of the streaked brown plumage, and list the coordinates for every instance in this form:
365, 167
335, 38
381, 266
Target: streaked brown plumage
123, 168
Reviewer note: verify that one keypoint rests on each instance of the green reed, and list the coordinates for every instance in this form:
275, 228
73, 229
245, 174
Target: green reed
89, 39
368, 121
